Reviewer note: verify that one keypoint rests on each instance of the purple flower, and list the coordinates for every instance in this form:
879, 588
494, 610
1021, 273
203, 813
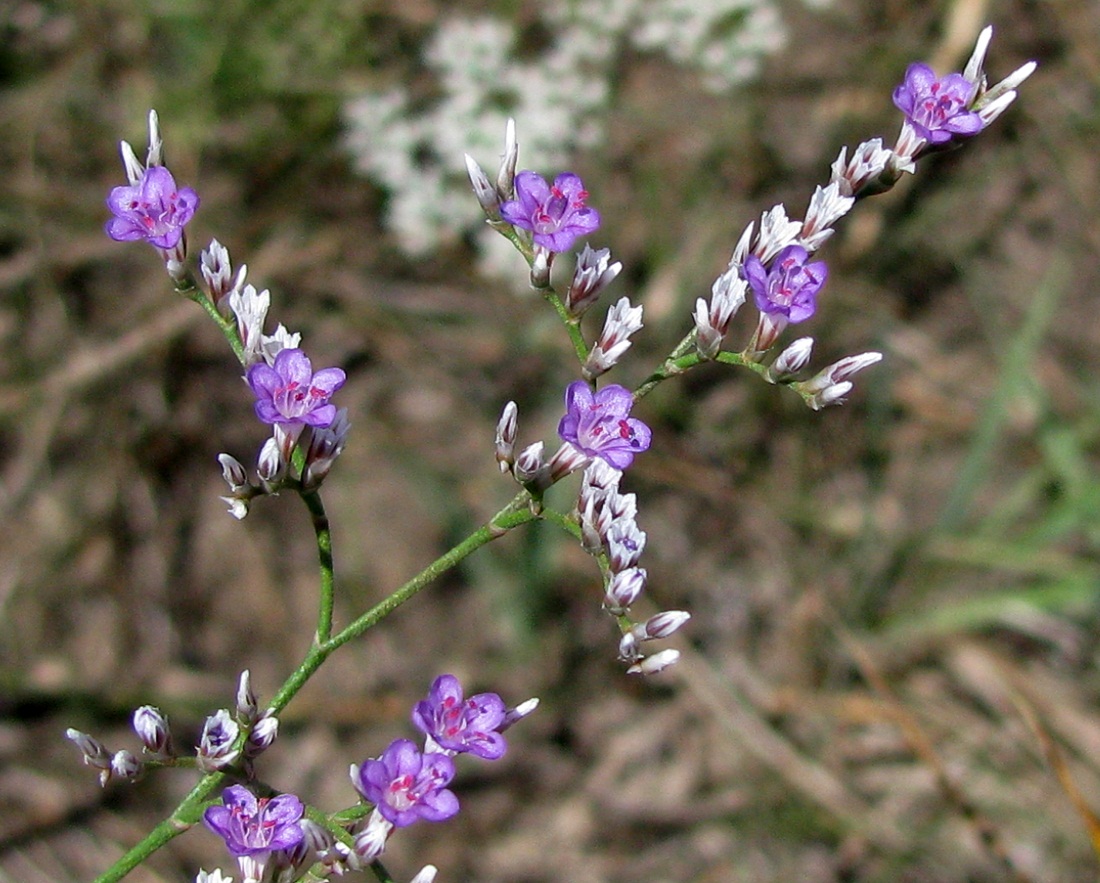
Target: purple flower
255, 827
790, 287
289, 392
152, 209
600, 423
937, 109
405, 785
555, 214
462, 725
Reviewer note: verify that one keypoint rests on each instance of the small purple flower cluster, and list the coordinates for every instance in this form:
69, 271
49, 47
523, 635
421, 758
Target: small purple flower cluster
407, 785
271, 834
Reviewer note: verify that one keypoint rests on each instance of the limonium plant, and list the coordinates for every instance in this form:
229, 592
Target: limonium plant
272, 835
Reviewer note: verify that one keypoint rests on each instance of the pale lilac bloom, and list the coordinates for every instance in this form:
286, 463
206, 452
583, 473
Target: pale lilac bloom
406, 786
153, 209
288, 391
789, 289
252, 826
461, 725
556, 214
600, 423
937, 109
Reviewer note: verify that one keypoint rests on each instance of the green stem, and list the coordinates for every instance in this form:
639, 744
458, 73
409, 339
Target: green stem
227, 326
184, 816
513, 515
321, 530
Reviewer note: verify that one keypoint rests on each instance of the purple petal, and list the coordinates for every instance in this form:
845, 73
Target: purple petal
328, 380
321, 416
614, 400
531, 190
437, 806
293, 365
919, 78
238, 795
283, 809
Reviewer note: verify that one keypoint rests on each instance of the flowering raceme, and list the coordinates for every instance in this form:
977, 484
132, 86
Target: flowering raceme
152, 209
600, 423
555, 214
288, 392
937, 109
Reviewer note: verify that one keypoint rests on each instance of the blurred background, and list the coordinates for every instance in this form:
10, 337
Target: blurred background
894, 645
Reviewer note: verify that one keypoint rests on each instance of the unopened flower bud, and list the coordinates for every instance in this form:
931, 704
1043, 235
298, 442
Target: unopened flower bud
661, 625
712, 320
792, 360
325, 445
831, 395
134, 169
95, 752
316, 837
623, 589
831, 384
152, 729
370, 843
515, 715
625, 542
263, 735
126, 766
565, 460
247, 704
217, 272
529, 463
507, 430
506, 174
658, 662
622, 321
238, 508
593, 273
484, 191
425, 875
271, 466
216, 745
628, 648
233, 472
540, 268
